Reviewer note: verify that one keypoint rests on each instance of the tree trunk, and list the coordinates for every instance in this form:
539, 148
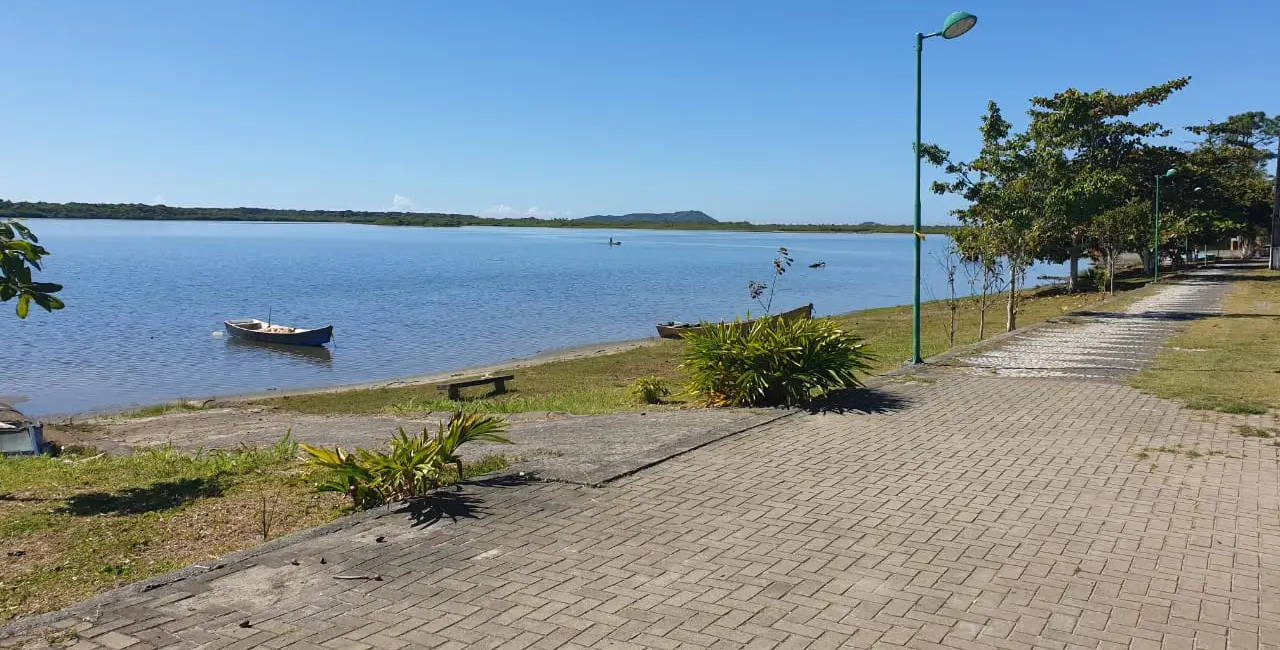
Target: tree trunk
953, 305
1145, 256
1111, 273
982, 318
1073, 278
1011, 309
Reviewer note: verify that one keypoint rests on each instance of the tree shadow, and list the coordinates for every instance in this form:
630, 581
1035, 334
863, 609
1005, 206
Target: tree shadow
165, 495
13, 498
1171, 315
465, 504
1227, 277
1147, 315
858, 400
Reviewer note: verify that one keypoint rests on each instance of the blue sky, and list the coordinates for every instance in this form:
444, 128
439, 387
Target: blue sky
796, 111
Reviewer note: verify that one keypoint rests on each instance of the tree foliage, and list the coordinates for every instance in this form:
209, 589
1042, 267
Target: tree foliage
1080, 179
20, 254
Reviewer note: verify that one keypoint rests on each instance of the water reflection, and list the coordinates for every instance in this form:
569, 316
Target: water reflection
251, 350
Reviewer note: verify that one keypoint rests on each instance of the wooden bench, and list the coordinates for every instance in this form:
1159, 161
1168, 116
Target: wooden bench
499, 385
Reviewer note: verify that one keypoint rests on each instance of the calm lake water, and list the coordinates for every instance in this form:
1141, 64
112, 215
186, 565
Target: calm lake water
144, 299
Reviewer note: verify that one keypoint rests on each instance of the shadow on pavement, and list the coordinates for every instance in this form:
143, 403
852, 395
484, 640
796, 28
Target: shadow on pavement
858, 400
462, 504
1226, 277
1169, 315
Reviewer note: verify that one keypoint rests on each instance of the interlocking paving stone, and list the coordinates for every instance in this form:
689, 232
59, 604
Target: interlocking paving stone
970, 512
1101, 346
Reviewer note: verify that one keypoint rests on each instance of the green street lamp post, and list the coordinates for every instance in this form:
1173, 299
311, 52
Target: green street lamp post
956, 25
1155, 254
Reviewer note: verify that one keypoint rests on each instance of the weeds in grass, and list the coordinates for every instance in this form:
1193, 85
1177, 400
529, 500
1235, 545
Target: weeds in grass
1253, 432
268, 513
1177, 451
177, 406
1242, 408
650, 390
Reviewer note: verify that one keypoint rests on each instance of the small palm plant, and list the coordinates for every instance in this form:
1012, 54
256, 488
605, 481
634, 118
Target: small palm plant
467, 427
650, 390
412, 467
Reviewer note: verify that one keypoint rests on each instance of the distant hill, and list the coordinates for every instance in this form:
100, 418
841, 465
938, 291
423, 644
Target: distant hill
686, 220
684, 216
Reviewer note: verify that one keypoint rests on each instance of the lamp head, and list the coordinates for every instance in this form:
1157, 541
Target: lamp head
957, 24
1170, 173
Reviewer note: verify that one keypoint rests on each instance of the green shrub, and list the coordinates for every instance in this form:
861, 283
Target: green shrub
650, 390
1091, 279
414, 466
771, 361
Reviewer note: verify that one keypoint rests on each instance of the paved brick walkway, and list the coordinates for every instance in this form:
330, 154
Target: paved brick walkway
969, 512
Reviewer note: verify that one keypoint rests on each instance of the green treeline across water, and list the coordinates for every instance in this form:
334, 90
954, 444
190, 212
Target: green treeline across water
138, 211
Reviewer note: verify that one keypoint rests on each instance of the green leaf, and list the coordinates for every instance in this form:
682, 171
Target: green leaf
48, 302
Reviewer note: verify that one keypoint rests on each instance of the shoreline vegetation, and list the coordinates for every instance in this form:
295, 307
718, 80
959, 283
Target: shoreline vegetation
646, 221
602, 383
597, 378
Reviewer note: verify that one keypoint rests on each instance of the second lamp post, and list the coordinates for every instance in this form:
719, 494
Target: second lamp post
1155, 242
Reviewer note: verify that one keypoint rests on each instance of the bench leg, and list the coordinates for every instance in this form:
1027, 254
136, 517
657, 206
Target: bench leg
454, 394
500, 386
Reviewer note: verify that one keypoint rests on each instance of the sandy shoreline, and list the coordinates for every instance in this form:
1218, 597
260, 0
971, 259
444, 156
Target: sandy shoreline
558, 354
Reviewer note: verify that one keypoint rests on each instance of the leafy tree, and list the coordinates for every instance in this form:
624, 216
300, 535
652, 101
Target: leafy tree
1086, 143
1232, 160
983, 269
1007, 187
1118, 230
20, 252
950, 261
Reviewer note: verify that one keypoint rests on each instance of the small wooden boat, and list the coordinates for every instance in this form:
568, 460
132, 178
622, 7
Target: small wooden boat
817, 265
677, 330
256, 330
19, 434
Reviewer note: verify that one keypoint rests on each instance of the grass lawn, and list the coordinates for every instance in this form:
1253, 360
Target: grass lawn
1228, 363
74, 527
601, 384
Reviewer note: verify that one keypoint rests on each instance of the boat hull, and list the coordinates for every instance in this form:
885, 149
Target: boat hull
314, 337
678, 331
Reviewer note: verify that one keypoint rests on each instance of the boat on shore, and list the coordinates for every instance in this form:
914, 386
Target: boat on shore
677, 330
19, 434
264, 332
